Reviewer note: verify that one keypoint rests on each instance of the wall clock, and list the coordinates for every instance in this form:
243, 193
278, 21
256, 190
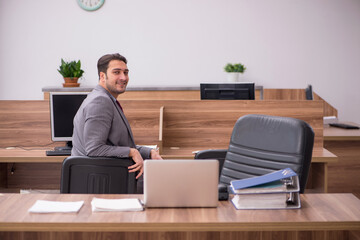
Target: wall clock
90, 5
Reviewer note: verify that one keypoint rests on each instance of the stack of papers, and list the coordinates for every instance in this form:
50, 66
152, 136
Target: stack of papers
126, 204
42, 206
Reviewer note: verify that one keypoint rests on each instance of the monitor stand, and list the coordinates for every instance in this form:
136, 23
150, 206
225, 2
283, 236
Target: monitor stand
68, 147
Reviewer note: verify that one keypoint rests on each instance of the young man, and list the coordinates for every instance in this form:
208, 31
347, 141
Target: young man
100, 126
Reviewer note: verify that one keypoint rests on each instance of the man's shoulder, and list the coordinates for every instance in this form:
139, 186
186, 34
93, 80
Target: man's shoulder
97, 103
97, 96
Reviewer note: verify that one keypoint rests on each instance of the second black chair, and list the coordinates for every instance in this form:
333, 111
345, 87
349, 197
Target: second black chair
97, 175
261, 144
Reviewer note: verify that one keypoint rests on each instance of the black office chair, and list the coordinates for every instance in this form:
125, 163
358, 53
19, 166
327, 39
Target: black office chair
261, 144
98, 175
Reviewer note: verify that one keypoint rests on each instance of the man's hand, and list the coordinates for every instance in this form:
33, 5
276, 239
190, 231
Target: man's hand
139, 162
154, 154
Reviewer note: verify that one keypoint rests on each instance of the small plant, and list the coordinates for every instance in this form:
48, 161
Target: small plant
71, 69
237, 67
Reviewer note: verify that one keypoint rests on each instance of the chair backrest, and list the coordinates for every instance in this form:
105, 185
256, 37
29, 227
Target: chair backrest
98, 175
261, 144
218, 154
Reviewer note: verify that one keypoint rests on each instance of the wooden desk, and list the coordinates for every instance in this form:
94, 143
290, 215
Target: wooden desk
322, 216
31, 168
340, 134
345, 143
33, 155
178, 126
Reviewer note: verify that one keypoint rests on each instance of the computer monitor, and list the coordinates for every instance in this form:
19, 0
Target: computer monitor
63, 107
228, 91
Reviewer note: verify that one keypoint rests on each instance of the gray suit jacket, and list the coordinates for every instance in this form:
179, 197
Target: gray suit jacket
101, 128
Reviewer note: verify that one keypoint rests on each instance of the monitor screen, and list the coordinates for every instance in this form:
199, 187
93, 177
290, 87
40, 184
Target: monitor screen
228, 91
63, 107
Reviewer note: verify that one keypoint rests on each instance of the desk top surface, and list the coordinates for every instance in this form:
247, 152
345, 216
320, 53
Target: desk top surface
32, 155
318, 212
340, 134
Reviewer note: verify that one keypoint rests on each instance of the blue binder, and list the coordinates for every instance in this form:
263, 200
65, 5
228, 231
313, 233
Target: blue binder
263, 179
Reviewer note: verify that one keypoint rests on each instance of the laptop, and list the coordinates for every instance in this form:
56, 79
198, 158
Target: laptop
181, 183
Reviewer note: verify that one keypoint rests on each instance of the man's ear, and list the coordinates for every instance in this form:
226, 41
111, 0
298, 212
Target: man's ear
102, 77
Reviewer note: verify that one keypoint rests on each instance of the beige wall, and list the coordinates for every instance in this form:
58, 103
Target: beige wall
284, 44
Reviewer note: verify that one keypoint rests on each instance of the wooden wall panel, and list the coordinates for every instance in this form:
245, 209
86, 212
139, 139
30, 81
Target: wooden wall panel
186, 122
24, 123
191, 124
27, 124
198, 139
195, 123
297, 94
145, 126
160, 95
284, 94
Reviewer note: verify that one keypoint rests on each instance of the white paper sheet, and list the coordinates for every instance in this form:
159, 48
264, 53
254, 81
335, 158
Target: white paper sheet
126, 204
43, 206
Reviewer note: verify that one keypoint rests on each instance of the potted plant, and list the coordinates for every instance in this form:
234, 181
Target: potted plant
234, 71
71, 72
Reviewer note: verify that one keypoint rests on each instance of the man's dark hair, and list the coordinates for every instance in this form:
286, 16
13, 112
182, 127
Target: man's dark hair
103, 62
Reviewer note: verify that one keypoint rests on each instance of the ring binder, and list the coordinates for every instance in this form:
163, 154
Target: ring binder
275, 191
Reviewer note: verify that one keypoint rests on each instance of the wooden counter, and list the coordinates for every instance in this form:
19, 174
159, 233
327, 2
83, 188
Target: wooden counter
344, 174
178, 127
322, 216
150, 93
31, 168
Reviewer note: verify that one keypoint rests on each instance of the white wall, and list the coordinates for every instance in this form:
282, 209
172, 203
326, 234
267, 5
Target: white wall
284, 44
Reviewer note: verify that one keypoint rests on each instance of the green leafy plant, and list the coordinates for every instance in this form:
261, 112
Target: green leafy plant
70, 69
237, 67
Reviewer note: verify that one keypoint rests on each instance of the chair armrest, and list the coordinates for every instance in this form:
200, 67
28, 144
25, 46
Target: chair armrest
218, 154
211, 154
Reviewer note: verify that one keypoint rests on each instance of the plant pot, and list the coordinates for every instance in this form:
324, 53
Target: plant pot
71, 82
233, 76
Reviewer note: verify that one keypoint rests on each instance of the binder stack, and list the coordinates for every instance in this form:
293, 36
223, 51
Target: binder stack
276, 190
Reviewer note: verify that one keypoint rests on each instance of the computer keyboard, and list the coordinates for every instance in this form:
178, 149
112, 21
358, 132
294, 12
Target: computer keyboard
343, 125
58, 152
